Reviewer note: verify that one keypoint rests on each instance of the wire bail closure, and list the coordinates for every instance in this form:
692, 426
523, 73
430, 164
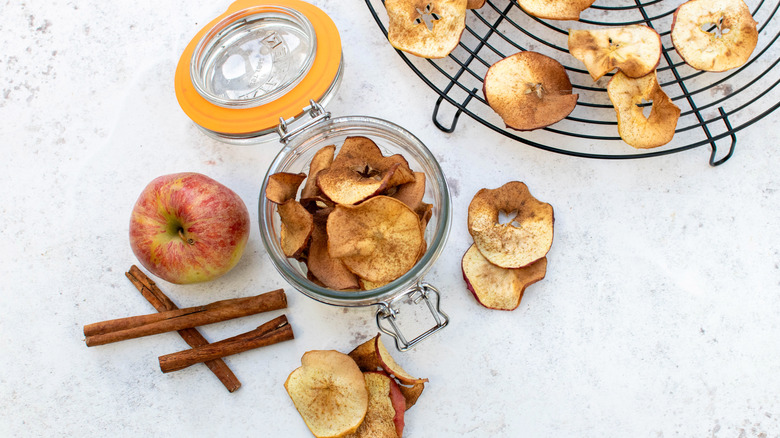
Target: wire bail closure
385, 316
317, 115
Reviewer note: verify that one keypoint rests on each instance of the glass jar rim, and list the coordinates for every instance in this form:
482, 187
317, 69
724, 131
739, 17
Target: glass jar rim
382, 293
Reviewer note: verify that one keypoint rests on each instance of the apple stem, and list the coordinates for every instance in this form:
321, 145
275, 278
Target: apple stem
186, 239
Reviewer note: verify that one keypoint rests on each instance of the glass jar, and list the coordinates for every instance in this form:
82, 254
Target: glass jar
258, 61
300, 145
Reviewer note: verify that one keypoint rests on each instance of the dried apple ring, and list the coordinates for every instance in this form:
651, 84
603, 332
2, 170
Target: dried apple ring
635, 50
555, 9
627, 95
728, 45
329, 391
495, 287
426, 28
529, 91
379, 240
520, 242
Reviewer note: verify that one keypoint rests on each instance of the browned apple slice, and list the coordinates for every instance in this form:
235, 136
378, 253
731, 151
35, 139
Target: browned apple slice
475, 4
329, 391
311, 195
555, 9
330, 271
527, 237
297, 226
412, 393
360, 171
283, 186
379, 240
412, 193
629, 96
495, 287
635, 50
529, 91
714, 35
426, 28
386, 407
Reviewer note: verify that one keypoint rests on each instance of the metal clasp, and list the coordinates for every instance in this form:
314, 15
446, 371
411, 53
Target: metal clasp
386, 315
317, 114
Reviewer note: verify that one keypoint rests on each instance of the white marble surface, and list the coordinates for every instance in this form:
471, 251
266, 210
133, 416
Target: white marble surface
658, 316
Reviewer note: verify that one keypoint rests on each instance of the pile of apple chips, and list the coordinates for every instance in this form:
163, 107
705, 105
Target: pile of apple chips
360, 220
360, 395
506, 257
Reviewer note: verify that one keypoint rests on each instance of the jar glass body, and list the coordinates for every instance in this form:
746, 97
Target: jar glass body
391, 139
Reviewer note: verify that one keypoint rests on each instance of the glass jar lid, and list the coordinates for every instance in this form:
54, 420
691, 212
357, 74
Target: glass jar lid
258, 61
253, 56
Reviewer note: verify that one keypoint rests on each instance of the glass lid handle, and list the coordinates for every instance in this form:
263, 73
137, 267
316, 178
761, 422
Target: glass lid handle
422, 292
317, 114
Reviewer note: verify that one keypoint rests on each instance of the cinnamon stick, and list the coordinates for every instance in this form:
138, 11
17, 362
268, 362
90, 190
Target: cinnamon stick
272, 332
136, 326
191, 336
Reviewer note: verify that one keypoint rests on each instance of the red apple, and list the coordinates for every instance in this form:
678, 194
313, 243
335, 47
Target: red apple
188, 228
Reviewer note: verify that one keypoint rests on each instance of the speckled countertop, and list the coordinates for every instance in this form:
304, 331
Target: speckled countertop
658, 316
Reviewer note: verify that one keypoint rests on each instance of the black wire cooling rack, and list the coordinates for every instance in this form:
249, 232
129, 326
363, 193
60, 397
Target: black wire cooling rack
715, 106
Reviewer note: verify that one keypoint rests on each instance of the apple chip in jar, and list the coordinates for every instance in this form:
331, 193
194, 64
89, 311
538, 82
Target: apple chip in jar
527, 237
379, 240
297, 226
495, 287
555, 9
635, 50
360, 171
330, 271
283, 186
529, 91
311, 195
630, 97
714, 35
426, 28
329, 391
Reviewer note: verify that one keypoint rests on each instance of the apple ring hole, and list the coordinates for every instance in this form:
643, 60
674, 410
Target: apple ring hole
646, 106
537, 88
510, 218
718, 30
426, 16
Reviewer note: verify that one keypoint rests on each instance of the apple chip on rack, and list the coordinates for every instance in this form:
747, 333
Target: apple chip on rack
630, 97
426, 28
635, 50
529, 91
714, 35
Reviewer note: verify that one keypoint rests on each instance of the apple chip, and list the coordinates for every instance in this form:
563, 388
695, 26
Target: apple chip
714, 35
311, 194
386, 408
520, 242
329, 391
283, 186
412, 393
529, 91
372, 355
328, 270
475, 4
297, 226
555, 9
635, 50
426, 28
412, 193
360, 171
379, 239
495, 287
630, 96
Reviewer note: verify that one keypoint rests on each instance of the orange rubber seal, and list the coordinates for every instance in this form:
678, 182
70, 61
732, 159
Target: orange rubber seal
245, 121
